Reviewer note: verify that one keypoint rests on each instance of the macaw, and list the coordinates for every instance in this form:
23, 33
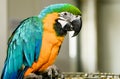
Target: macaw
35, 43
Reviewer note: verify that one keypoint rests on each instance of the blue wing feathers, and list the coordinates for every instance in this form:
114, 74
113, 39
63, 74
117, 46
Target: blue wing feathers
37, 50
23, 47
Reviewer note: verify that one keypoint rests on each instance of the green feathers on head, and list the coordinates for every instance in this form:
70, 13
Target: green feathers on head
59, 8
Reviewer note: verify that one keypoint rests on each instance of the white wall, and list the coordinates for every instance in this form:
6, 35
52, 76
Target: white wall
3, 31
109, 36
88, 39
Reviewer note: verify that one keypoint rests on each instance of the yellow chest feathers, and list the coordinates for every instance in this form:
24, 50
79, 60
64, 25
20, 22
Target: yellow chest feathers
48, 27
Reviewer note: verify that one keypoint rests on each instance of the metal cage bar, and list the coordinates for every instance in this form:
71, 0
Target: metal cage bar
82, 75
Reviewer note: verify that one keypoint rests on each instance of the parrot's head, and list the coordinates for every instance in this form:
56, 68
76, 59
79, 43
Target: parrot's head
69, 18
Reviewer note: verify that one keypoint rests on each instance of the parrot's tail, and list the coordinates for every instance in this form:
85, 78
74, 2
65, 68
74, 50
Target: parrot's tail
20, 74
14, 75
2, 75
3, 72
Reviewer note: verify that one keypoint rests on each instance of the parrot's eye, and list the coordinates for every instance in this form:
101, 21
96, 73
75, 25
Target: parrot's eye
65, 13
76, 15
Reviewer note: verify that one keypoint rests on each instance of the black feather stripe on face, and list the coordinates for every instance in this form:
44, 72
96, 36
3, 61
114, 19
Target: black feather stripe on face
68, 22
59, 30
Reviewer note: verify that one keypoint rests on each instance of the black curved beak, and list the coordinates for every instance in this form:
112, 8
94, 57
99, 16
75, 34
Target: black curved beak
76, 26
67, 25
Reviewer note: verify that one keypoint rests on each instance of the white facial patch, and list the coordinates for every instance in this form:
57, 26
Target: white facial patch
69, 16
66, 17
62, 22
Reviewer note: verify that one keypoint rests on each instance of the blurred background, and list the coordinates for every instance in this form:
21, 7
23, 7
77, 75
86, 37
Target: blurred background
95, 49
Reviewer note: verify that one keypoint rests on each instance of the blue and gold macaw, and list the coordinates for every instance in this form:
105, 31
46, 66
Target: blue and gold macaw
35, 43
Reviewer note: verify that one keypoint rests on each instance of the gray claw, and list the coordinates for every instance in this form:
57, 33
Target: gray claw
53, 71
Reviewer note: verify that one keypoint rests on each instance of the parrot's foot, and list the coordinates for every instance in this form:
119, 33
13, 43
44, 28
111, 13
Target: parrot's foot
33, 76
53, 72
